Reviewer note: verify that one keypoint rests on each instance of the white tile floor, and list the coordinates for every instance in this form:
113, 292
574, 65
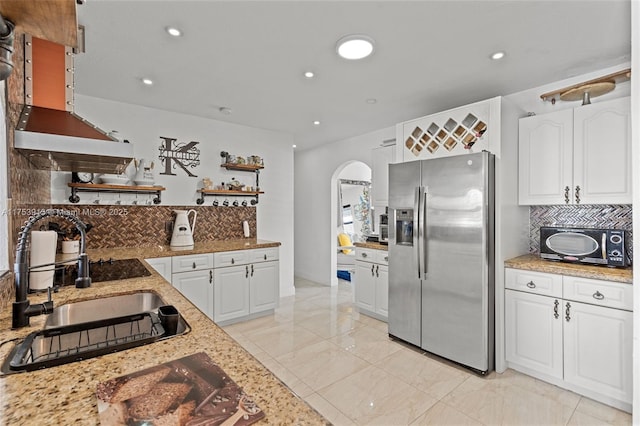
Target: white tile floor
344, 365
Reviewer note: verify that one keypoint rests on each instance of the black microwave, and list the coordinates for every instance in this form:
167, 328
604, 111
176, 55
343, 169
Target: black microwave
584, 245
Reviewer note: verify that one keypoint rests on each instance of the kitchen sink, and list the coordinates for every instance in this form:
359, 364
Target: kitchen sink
103, 308
82, 330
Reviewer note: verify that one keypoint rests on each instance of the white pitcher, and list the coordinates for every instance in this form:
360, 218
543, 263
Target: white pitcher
182, 230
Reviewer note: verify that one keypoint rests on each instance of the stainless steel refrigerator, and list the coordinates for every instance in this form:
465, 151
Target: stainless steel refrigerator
441, 255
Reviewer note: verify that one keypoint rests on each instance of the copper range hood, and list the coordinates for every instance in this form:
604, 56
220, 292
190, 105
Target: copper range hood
49, 133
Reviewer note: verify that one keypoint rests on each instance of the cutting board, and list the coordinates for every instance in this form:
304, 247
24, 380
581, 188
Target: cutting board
187, 391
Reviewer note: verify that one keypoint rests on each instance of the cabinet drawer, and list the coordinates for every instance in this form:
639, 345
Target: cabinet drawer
192, 262
263, 255
382, 257
231, 258
534, 282
599, 292
367, 255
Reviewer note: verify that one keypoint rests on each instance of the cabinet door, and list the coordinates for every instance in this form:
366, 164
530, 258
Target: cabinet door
197, 286
533, 328
382, 290
161, 265
598, 349
230, 293
602, 152
381, 158
545, 158
365, 286
263, 286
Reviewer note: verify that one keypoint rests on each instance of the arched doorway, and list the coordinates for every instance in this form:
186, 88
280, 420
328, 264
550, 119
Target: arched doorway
351, 214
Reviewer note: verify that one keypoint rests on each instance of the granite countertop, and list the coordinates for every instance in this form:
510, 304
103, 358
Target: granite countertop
164, 251
374, 246
532, 262
66, 394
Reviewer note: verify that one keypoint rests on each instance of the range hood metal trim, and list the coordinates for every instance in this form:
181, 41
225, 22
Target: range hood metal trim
69, 152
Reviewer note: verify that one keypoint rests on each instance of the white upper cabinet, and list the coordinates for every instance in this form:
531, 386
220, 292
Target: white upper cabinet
381, 158
602, 152
545, 158
577, 156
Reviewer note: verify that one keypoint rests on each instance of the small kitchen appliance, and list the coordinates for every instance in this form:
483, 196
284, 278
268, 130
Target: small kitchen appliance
584, 245
182, 236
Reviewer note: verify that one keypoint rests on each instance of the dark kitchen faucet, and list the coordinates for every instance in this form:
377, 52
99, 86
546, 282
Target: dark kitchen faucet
22, 311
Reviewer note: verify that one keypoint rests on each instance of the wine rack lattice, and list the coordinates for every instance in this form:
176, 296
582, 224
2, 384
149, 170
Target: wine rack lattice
447, 136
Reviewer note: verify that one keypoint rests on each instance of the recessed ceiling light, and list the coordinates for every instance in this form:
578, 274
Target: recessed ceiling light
316, 123
497, 55
293, 146
371, 101
174, 31
225, 110
355, 46
147, 81
309, 74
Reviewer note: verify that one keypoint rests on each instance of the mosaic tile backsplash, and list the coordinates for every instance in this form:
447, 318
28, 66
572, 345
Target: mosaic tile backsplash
147, 226
584, 216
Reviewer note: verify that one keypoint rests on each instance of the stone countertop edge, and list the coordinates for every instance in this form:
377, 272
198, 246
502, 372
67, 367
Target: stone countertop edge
373, 246
66, 394
532, 262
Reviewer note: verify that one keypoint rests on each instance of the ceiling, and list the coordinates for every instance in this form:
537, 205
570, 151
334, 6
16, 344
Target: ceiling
250, 56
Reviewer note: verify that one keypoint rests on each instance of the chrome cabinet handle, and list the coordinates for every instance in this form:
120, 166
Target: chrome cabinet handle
377, 269
194, 265
265, 257
210, 276
567, 313
251, 270
598, 296
556, 304
578, 194
372, 268
363, 254
386, 258
232, 261
531, 284
566, 195
246, 275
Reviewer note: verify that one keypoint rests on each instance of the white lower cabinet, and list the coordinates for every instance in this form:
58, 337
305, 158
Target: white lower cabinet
248, 289
371, 283
231, 293
584, 347
161, 265
197, 286
598, 350
192, 275
534, 332
229, 286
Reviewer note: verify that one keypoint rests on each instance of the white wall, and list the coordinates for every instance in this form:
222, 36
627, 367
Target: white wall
635, 154
316, 171
143, 127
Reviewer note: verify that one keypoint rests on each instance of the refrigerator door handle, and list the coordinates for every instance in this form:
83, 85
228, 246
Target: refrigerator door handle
423, 227
417, 230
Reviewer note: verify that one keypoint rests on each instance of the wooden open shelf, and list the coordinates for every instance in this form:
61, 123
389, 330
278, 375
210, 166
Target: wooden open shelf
616, 77
104, 187
229, 192
242, 167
